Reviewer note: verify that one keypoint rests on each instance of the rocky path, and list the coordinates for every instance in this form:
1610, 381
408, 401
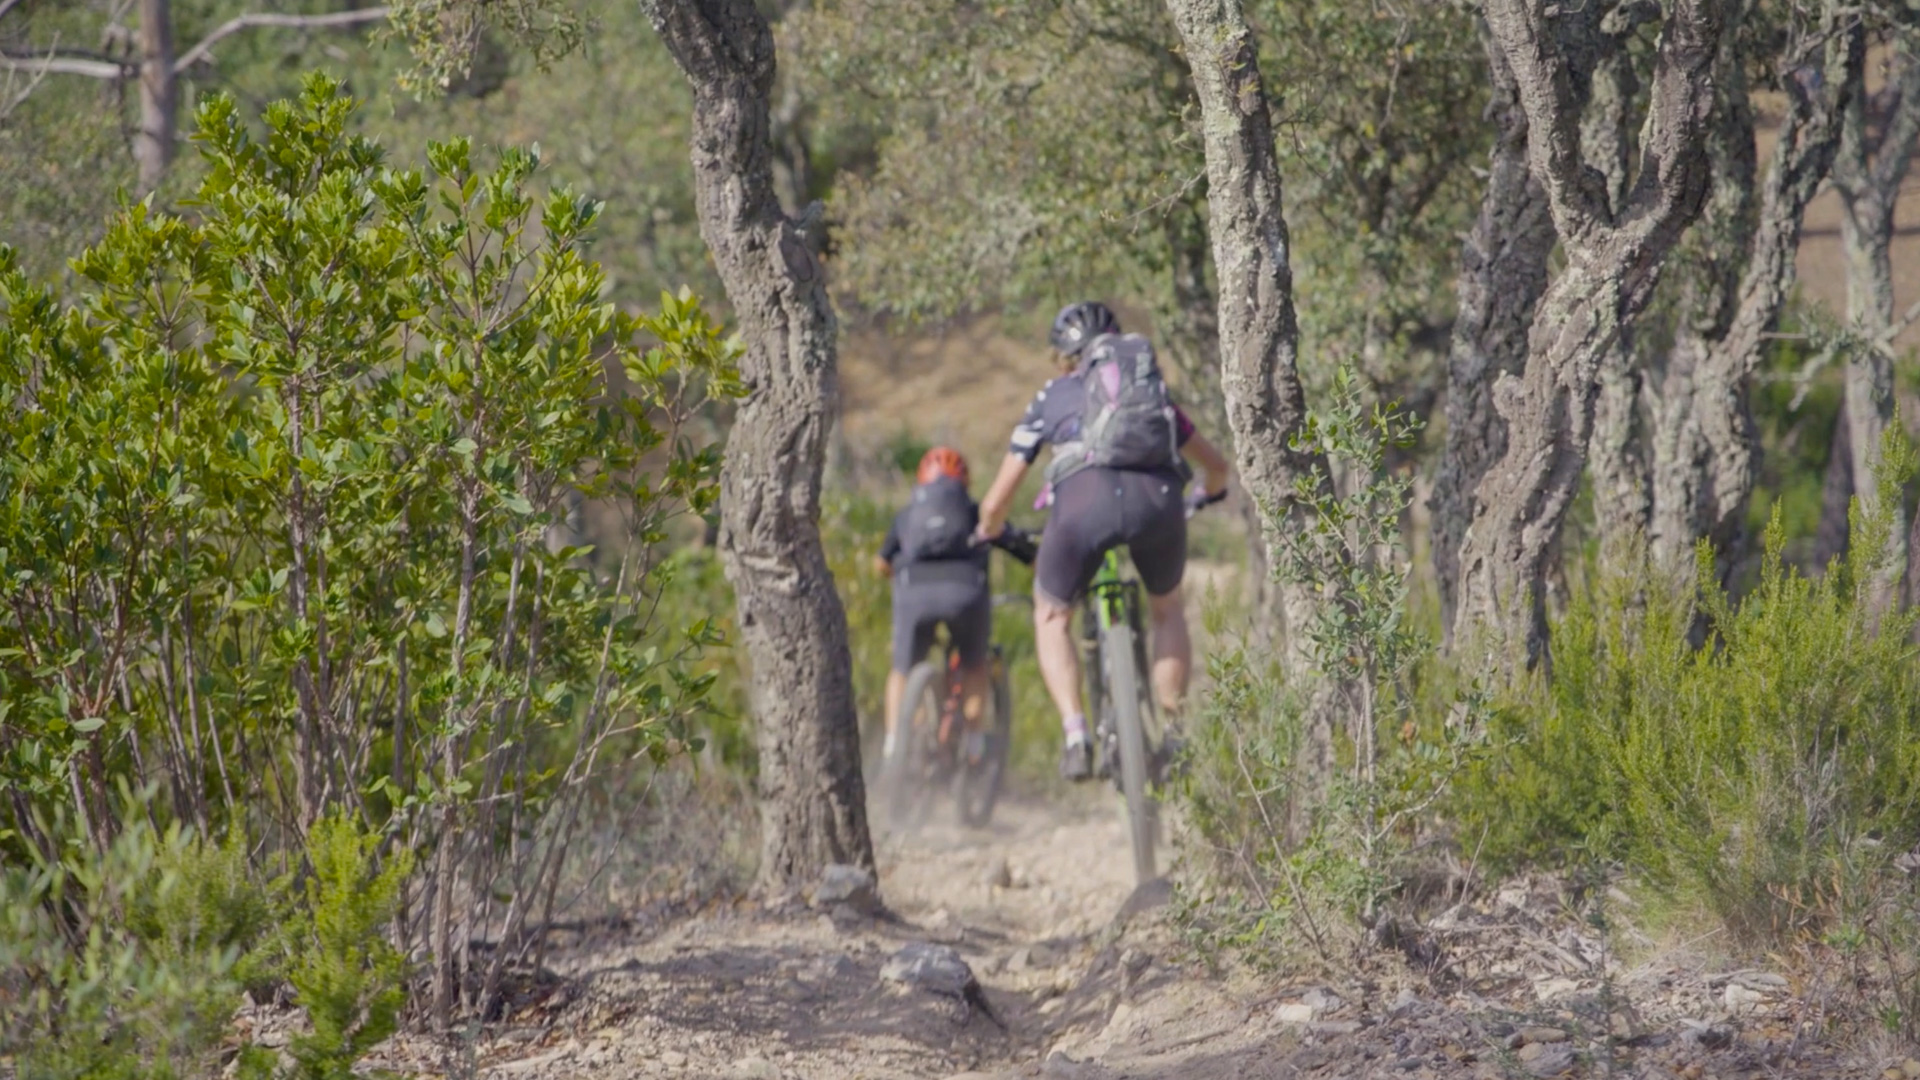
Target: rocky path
1081, 976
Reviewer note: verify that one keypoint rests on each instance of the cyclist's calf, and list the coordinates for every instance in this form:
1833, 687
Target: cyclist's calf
1172, 650
1059, 659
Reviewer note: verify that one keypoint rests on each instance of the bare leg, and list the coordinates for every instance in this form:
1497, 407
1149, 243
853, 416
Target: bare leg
1172, 650
975, 682
1059, 661
896, 686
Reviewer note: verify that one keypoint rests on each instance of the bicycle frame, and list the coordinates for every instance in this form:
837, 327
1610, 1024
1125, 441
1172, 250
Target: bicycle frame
1113, 599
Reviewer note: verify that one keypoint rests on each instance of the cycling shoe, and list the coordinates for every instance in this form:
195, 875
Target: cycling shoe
1076, 761
1166, 761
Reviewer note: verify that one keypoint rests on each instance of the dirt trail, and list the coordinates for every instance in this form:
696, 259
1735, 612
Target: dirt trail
1034, 904
1084, 977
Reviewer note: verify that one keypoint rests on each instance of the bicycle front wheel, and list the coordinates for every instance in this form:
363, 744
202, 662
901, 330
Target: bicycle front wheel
917, 728
1124, 699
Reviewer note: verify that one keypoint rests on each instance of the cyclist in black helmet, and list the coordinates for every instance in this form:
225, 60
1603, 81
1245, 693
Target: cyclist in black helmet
1119, 467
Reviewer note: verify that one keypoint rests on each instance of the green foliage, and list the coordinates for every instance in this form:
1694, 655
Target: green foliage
1298, 855
1770, 770
546, 71
350, 980
127, 961
285, 512
1027, 155
1050, 150
1379, 171
444, 36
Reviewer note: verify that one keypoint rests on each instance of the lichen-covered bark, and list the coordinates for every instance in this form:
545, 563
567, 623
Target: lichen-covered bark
1870, 167
153, 141
1503, 271
1259, 334
813, 800
1817, 89
1613, 261
1616, 461
1712, 260
1191, 336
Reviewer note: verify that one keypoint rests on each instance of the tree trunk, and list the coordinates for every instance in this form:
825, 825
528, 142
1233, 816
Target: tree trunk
1818, 84
1712, 260
1613, 262
153, 143
1503, 271
1868, 174
1621, 500
1259, 334
1192, 337
813, 800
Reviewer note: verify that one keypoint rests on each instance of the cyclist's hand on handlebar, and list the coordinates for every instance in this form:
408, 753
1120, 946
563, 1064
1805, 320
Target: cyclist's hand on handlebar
1200, 500
1018, 543
984, 535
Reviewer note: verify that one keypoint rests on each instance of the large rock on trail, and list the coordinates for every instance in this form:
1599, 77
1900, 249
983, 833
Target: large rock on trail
847, 886
930, 967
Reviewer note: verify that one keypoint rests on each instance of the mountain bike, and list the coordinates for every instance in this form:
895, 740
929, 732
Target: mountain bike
1130, 737
931, 751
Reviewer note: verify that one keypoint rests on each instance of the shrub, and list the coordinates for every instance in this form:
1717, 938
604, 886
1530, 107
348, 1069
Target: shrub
281, 496
1296, 857
128, 961
1770, 770
349, 979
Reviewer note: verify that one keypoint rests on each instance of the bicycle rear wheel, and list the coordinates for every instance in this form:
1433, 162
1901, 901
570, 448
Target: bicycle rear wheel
904, 773
978, 785
1123, 685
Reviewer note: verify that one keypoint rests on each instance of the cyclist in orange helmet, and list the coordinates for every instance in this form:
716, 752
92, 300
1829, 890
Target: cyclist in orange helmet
939, 577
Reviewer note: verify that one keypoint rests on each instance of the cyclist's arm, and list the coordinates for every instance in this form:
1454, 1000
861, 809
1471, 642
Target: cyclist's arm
999, 501
889, 550
1211, 461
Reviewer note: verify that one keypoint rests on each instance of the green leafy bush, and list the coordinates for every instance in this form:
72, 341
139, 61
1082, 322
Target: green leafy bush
1304, 843
284, 506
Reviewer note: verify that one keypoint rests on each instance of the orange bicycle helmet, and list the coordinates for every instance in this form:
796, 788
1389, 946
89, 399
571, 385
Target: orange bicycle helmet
941, 461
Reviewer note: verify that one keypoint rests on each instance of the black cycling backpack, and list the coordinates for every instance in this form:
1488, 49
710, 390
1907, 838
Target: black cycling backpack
1127, 418
939, 522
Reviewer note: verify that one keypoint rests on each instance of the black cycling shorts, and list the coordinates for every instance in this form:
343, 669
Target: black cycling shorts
1100, 509
925, 595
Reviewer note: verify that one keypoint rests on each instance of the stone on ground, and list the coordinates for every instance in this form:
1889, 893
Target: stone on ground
851, 886
930, 967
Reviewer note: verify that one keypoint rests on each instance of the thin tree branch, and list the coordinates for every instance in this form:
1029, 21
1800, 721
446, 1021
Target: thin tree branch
85, 65
204, 50
51, 64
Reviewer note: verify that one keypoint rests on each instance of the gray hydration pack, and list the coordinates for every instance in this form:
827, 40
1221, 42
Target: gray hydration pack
1127, 418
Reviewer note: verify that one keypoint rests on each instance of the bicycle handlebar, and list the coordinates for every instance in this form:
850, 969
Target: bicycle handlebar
1200, 500
1018, 543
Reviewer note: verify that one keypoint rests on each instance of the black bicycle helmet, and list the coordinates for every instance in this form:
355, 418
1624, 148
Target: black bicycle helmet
1080, 323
